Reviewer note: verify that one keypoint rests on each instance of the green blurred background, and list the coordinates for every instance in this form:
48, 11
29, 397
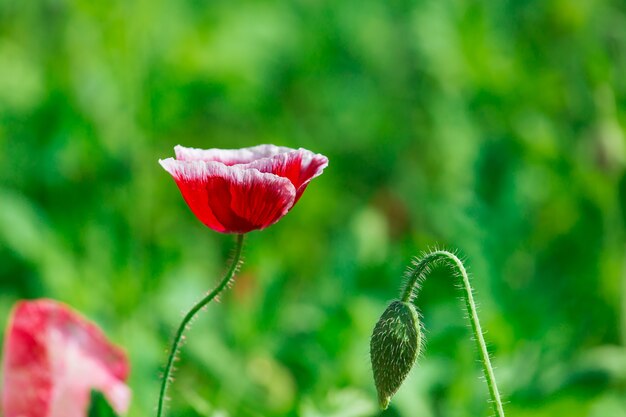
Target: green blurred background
494, 128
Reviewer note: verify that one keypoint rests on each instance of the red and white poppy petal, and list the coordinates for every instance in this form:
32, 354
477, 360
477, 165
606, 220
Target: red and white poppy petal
229, 199
299, 166
260, 198
229, 156
191, 179
72, 389
53, 358
79, 348
26, 375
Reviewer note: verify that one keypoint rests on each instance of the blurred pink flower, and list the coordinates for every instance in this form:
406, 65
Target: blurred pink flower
53, 358
240, 190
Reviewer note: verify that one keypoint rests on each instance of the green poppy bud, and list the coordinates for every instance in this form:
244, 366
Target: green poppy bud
394, 347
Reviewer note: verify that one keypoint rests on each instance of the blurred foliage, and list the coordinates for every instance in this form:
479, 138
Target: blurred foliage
493, 127
99, 406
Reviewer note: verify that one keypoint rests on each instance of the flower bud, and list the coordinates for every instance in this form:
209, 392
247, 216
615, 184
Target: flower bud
394, 347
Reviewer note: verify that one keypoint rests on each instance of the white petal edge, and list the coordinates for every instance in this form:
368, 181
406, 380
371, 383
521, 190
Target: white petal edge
229, 156
201, 170
307, 157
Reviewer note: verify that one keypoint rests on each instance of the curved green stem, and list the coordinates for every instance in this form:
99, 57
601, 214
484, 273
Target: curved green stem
183, 325
416, 277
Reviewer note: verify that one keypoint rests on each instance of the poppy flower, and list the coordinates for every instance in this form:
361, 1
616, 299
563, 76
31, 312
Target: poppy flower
240, 190
53, 358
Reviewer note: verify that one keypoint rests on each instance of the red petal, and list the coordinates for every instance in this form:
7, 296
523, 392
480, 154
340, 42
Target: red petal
300, 167
231, 199
53, 358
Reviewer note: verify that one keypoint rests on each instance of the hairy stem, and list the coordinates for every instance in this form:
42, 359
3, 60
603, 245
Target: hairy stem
189, 316
417, 276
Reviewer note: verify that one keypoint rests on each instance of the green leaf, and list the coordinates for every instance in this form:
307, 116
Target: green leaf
99, 406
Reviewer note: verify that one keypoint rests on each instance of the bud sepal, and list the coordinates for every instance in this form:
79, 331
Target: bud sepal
394, 347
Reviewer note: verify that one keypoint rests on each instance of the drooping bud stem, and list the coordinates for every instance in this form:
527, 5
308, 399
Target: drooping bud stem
190, 315
415, 277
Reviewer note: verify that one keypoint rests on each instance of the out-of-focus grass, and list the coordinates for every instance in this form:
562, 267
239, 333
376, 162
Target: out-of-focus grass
494, 128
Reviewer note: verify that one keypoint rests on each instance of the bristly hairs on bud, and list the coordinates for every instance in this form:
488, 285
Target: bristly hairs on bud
389, 372
395, 345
